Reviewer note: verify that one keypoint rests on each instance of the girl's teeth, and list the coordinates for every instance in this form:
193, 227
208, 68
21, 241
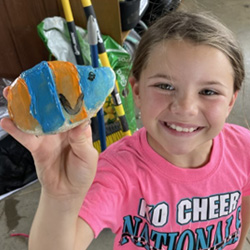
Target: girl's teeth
180, 129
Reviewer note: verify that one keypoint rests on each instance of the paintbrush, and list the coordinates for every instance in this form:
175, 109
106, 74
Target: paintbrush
92, 39
89, 10
72, 32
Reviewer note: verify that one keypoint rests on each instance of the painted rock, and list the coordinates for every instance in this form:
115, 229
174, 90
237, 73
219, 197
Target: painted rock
55, 96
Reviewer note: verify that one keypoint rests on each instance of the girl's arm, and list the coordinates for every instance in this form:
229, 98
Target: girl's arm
57, 226
245, 218
65, 165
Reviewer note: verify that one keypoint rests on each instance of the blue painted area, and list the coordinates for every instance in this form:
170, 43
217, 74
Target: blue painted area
45, 106
95, 91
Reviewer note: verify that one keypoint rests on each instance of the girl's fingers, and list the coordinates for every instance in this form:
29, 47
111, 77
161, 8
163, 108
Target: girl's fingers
24, 138
5, 91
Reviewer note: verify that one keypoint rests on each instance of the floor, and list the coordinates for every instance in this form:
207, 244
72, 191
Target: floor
17, 211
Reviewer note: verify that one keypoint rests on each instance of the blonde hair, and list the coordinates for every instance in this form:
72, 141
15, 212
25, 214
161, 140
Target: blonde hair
197, 28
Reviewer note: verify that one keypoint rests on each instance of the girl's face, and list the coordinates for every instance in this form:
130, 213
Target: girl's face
185, 94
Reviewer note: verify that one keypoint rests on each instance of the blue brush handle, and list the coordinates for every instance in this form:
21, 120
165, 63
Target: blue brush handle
94, 56
100, 113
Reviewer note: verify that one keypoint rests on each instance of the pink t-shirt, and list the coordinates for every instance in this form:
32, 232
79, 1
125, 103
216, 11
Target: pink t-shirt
151, 204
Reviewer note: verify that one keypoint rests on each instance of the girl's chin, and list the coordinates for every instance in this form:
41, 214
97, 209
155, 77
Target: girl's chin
173, 148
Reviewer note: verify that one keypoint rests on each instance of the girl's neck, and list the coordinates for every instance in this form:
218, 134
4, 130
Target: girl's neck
194, 159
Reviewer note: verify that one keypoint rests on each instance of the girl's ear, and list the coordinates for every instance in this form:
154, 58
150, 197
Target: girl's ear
136, 91
232, 102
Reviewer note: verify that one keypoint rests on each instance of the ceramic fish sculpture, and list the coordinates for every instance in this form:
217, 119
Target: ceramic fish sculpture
55, 96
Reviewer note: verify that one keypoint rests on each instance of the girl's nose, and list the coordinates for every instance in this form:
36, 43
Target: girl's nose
185, 105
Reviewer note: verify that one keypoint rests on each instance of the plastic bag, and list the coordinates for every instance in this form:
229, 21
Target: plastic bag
54, 33
120, 61
16, 165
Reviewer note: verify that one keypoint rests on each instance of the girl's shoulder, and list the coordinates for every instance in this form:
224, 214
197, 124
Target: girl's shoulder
128, 142
128, 145
236, 135
236, 130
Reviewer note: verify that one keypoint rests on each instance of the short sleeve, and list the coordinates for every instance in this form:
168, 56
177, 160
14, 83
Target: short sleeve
246, 189
103, 201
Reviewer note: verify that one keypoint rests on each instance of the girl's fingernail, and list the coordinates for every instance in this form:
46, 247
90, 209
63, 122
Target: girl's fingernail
86, 124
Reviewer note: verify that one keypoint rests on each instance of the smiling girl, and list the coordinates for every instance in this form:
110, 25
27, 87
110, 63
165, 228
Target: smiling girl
185, 94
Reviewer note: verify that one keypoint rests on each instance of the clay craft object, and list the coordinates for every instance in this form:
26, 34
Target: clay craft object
55, 96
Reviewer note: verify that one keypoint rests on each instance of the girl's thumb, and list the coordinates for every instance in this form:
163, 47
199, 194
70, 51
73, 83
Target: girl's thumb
81, 134
80, 139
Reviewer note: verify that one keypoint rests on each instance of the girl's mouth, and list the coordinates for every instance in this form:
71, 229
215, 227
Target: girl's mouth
184, 129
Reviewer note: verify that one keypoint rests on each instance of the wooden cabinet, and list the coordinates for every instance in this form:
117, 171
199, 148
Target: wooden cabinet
20, 46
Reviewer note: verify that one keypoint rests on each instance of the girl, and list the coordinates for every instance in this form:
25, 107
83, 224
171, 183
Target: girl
180, 182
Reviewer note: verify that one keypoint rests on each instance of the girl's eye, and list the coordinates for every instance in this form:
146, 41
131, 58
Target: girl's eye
165, 86
208, 92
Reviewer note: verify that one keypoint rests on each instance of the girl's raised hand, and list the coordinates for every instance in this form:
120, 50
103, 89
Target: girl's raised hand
65, 162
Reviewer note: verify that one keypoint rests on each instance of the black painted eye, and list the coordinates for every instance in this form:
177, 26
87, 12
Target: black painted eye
66, 105
91, 76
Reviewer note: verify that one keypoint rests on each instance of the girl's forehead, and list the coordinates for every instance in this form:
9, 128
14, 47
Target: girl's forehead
187, 60
185, 50
178, 45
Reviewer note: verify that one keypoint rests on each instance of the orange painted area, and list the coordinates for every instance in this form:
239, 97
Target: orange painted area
19, 106
67, 83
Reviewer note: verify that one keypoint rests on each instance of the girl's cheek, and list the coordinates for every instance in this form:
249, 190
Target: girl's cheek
158, 101
217, 108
